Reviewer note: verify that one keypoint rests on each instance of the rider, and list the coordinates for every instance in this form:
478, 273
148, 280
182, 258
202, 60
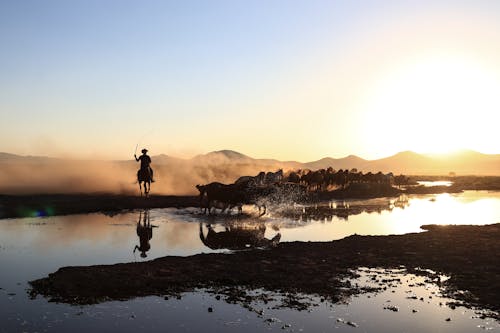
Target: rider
145, 162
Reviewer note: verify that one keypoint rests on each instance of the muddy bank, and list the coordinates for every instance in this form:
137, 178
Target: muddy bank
64, 204
469, 254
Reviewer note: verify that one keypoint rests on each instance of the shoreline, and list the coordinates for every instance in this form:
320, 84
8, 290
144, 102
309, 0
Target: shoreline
41, 205
316, 268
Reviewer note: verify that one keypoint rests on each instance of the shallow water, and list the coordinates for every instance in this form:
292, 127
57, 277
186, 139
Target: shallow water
31, 248
428, 183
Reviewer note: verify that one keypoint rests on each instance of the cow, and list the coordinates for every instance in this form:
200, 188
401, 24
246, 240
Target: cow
233, 195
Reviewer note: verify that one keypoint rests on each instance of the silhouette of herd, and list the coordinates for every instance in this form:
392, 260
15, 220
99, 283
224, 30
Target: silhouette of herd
264, 188
329, 179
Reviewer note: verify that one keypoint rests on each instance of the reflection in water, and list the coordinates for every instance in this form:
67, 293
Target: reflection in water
342, 209
237, 236
426, 183
34, 247
145, 233
401, 202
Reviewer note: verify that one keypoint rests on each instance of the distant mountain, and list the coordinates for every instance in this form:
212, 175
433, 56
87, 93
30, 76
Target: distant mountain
464, 162
403, 162
349, 162
166, 159
231, 157
230, 154
7, 157
221, 157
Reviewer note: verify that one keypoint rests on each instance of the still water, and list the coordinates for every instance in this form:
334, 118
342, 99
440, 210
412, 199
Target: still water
31, 248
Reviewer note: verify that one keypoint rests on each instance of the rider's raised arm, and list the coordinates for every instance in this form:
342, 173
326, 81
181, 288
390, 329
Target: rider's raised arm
136, 159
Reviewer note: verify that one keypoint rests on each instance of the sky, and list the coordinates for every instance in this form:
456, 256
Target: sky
292, 80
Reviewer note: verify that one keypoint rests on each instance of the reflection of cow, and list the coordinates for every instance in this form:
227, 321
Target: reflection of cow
238, 237
145, 233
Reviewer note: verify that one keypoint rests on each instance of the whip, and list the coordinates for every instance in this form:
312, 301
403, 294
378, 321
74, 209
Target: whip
142, 138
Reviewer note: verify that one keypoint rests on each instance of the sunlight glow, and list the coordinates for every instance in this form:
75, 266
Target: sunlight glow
434, 105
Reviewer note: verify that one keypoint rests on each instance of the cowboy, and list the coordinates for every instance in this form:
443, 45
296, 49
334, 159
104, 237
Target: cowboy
145, 162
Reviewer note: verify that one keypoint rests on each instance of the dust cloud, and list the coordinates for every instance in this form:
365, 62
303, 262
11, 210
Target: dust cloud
35, 175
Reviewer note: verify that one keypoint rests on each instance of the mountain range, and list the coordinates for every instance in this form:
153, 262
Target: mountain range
177, 176
465, 162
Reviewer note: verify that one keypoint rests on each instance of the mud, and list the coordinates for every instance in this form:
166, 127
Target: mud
65, 204
468, 254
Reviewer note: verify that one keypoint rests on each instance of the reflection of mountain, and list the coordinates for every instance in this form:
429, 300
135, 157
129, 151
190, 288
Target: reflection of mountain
237, 237
32, 174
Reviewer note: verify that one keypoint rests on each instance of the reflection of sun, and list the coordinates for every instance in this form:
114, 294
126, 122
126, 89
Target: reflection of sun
435, 105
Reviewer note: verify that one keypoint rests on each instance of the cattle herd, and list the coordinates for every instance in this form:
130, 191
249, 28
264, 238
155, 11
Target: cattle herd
266, 188
328, 179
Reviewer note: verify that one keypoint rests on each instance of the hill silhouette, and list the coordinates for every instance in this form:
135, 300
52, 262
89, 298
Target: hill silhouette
465, 162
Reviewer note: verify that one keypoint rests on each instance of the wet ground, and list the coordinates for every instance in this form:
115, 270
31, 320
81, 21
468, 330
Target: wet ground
38, 205
398, 302
224, 295
311, 268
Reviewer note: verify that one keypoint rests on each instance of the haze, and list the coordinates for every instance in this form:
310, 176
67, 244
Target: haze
29, 175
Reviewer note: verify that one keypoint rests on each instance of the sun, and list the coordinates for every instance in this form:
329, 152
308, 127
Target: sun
433, 105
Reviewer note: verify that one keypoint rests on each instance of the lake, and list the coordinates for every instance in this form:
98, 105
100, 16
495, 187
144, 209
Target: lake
31, 248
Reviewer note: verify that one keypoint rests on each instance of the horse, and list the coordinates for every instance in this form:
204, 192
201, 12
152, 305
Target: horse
144, 176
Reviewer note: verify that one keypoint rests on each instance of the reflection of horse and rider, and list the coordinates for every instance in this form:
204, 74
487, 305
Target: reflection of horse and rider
145, 173
145, 233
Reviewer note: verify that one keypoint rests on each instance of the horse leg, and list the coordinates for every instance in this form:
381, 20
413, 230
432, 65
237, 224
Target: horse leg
140, 188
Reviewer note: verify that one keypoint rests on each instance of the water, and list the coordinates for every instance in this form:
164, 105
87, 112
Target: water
428, 183
31, 248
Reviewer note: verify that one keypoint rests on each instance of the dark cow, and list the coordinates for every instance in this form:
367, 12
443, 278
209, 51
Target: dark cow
234, 195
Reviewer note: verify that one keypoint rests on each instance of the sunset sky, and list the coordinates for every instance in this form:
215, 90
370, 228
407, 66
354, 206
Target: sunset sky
292, 80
